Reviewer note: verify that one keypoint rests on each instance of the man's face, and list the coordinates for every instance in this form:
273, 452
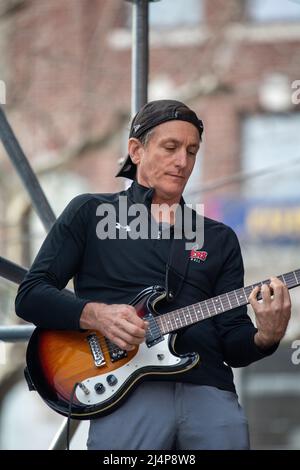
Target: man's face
167, 160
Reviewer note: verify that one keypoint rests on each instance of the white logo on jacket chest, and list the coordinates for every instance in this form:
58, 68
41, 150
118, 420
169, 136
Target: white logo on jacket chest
126, 227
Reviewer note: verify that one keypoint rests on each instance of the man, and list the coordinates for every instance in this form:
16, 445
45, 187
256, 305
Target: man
199, 409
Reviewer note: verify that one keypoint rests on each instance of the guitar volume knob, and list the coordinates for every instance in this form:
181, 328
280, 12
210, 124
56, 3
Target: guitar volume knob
111, 380
99, 388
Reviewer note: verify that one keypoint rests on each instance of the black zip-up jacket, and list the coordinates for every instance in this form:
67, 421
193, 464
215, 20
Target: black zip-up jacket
116, 270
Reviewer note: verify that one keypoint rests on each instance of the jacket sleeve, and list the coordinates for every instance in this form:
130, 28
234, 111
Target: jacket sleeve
235, 328
41, 298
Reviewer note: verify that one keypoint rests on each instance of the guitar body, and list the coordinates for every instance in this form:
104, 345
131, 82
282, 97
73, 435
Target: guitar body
104, 374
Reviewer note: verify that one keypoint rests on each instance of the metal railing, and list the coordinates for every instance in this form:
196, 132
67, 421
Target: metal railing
15, 273
27, 175
12, 334
12, 271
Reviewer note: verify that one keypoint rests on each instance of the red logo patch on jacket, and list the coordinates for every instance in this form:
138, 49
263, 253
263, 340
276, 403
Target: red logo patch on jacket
198, 256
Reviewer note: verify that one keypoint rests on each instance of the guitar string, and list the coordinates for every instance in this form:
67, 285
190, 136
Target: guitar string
169, 317
110, 347
210, 304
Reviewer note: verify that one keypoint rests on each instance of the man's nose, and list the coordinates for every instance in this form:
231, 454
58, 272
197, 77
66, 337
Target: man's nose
181, 158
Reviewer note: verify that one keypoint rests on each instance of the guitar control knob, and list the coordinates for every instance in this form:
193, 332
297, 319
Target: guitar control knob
112, 380
99, 388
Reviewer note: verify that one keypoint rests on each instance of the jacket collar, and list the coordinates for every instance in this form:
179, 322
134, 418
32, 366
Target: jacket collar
143, 195
140, 194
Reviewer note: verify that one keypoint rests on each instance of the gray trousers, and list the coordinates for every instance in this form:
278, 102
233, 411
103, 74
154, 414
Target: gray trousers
172, 416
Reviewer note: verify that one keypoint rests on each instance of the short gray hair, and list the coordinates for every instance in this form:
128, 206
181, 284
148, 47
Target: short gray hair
145, 137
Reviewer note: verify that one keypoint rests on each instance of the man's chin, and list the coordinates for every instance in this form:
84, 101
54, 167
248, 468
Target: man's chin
174, 190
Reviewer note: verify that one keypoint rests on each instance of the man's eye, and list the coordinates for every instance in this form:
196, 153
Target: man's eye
193, 154
170, 148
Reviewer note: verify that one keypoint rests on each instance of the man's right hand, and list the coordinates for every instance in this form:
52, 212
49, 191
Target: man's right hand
117, 322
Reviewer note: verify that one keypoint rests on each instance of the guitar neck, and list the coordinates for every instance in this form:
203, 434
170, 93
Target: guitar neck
176, 319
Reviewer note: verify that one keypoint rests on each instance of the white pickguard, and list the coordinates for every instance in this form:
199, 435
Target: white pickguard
158, 355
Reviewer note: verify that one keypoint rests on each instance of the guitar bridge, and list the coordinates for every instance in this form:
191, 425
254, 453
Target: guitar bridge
96, 350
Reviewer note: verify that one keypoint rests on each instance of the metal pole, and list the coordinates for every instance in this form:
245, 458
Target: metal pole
15, 273
11, 334
11, 271
59, 441
139, 97
26, 173
140, 54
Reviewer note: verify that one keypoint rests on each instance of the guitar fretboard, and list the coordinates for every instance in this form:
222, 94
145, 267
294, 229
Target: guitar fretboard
199, 311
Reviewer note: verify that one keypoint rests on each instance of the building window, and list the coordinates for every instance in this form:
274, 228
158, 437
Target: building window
172, 13
273, 142
264, 11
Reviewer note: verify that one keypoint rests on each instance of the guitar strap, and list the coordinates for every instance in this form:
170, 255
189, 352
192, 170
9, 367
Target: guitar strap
177, 265
176, 268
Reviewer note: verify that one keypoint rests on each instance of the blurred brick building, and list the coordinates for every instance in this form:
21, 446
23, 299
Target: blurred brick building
67, 70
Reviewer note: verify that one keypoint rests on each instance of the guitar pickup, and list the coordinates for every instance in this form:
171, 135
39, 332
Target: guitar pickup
153, 334
115, 353
96, 350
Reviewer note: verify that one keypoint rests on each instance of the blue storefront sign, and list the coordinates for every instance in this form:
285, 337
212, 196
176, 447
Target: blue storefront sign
259, 220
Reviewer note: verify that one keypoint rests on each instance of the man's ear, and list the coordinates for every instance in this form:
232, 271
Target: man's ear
135, 150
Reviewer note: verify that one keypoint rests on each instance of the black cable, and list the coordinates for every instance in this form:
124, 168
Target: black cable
70, 413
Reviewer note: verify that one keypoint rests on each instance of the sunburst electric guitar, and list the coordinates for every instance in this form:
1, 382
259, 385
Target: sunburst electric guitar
84, 375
